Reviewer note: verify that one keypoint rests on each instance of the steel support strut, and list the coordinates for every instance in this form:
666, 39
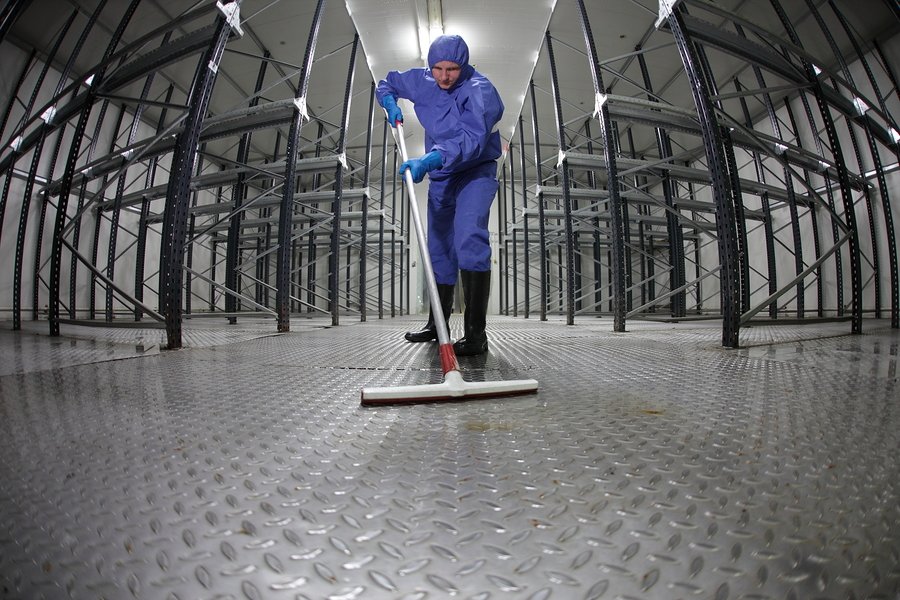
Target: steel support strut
43, 131
69, 173
292, 151
174, 229
835, 223
843, 175
71, 165
875, 155
813, 218
526, 269
140, 259
563, 168
788, 184
364, 225
8, 15
121, 184
539, 196
715, 156
334, 258
617, 233
239, 194
673, 226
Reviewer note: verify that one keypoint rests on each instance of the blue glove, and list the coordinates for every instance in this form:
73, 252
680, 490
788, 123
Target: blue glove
389, 103
418, 167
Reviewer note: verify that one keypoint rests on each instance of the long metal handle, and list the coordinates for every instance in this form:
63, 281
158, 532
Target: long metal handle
434, 297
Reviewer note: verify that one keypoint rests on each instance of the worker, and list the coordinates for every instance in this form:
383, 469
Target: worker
459, 109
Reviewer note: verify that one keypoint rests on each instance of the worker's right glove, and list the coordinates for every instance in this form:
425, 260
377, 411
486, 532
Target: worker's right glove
394, 114
418, 167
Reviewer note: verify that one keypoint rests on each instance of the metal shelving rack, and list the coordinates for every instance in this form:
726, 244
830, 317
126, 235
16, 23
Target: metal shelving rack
296, 228
602, 223
754, 184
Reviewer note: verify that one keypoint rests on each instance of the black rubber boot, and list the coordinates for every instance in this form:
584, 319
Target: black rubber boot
429, 333
476, 291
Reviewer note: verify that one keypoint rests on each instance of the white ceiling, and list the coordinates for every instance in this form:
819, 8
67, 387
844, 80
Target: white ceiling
505, 39
504, 44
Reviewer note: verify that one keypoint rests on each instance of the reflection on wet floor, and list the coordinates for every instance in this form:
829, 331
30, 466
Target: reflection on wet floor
23, 352
866, 354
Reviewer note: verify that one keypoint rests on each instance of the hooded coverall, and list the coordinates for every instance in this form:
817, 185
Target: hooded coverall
459, 124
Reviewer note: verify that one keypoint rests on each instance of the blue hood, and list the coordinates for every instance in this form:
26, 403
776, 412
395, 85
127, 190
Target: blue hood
448, 47
454, 49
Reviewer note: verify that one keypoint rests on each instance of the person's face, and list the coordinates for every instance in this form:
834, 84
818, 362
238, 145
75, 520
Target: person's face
445, 74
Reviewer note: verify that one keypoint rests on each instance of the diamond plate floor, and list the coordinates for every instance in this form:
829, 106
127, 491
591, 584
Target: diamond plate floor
651, 464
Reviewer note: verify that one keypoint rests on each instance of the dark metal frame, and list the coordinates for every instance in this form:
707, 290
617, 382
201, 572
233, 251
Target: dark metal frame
804, 190
592, 237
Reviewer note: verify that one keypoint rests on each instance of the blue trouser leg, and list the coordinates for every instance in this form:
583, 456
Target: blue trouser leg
441, 209
458, 213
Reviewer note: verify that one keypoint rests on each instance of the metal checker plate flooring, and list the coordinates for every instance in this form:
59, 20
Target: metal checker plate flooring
651, 464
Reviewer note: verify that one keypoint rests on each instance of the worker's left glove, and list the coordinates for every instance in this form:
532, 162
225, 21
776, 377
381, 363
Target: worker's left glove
418, 167
394, 114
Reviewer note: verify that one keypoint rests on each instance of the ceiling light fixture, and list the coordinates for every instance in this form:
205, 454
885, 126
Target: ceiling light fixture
431, 27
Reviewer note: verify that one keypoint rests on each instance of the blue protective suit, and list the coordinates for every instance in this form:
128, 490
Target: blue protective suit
459, 124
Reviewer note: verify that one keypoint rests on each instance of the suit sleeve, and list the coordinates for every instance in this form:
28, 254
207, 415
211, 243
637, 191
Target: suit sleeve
398, 84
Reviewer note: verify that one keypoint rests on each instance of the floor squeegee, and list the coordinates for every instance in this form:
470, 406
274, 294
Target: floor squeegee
453, 386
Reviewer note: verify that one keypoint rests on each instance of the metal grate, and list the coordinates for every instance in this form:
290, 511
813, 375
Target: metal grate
651, 464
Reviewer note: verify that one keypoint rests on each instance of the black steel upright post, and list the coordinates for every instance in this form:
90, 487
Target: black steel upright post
813, 217
539, 198
174, 230
617, 233
595, 234
120, 187
140, 259
71, 166
191, 229
312, 254
76, 223
42, 221
508, 252
775, 123
6, 113
715, 157
734, 181
36, 157
526, 269
829, 194
364, 223
239, 194
381, 218
334, 257
645, 262
870, 211
842, 173
98, 217
563, 169
875, 155
673, 225
887, 215
743, 254
292, 151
